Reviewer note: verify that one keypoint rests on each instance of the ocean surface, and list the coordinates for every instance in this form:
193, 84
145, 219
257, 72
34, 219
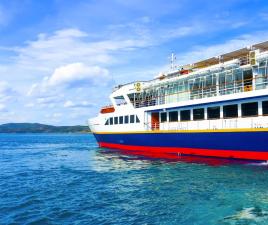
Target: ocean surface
67, 179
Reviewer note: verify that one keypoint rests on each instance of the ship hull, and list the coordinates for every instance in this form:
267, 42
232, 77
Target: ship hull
251, 145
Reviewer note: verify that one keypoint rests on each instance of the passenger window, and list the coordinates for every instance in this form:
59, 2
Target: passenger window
163, 117
265, 108
137, 119
115, 120
132, 119
185, 115
199, 114
249, 109
121, 118
111, 121
230, 111
126, 119
173, 116
214, 112
107, 122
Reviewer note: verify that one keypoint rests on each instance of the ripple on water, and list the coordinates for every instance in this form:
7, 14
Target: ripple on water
66, 179
248, 216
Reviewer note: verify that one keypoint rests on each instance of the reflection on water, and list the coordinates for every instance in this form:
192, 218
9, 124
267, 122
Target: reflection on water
112, 160
124, 155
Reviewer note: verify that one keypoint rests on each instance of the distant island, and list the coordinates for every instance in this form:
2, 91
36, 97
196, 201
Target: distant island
41, 128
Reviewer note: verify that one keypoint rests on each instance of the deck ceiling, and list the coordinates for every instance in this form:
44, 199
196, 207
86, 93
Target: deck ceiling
231, 55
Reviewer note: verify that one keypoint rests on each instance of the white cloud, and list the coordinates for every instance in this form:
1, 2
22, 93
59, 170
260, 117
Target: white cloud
6, 92
56, 115
55, 54
83, 104
63, 46
54, 118
50, 51
68, 104
76, 76
204, 52
74, 73
30, 105
239, 24
180, 31
3, 108
49, 99
10, 117
70, 33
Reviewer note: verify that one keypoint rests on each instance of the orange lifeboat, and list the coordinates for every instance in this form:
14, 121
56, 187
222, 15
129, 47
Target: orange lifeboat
107, 109
183, 71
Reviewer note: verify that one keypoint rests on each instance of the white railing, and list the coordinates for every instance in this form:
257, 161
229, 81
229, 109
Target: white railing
234, 86
248, 122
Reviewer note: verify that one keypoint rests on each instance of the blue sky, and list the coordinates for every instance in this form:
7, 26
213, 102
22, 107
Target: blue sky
59, 59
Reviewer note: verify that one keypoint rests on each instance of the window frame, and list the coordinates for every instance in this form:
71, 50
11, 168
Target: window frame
262, 103
165, 120
182, 111
107, 122
116, 120
170, 116
242, 109
230, 117
121, 119
126, 119
214, 118
202, 113
132, 119
111, 122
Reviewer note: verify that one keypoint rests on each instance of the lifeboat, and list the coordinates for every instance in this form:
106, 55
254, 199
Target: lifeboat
107, 109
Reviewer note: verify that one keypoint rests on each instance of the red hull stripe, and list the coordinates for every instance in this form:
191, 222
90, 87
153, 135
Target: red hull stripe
191, 151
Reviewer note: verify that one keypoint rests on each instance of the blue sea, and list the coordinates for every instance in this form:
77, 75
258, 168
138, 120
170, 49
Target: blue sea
67, 179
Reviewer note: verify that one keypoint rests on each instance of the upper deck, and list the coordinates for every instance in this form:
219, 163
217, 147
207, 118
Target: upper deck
244, 70
240, 71
242, 57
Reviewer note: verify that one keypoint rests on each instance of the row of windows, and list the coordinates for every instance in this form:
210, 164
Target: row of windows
229, 111
122, 120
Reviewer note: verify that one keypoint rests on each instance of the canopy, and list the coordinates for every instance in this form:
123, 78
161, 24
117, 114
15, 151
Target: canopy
229, 56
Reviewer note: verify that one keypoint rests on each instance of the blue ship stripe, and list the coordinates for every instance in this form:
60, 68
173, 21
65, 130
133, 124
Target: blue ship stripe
243, 141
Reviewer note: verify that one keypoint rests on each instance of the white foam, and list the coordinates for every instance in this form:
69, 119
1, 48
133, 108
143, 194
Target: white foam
252, 213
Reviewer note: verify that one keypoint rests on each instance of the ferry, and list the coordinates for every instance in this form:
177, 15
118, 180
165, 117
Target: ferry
216, 107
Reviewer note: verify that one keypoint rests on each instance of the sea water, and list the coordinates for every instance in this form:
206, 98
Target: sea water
67, 179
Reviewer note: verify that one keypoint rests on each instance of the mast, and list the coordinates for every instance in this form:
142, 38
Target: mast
172, 61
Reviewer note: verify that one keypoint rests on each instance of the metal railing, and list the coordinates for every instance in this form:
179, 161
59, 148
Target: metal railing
216, 124
204, 92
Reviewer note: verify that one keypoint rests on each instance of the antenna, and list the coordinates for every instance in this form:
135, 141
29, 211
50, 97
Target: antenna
172, 61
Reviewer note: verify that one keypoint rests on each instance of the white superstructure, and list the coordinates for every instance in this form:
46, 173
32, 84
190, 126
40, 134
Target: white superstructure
226, 92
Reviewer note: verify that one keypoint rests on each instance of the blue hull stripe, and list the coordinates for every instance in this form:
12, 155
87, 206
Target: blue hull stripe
240, 141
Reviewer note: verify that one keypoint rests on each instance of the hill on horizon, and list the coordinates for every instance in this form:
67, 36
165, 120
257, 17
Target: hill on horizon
41, 128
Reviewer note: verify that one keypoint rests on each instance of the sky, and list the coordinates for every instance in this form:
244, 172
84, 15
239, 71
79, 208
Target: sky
60, 59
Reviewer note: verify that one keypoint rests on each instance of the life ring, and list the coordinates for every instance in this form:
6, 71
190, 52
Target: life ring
137, 86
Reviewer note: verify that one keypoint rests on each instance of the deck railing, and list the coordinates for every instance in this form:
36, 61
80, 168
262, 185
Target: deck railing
216, 124
260, 82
